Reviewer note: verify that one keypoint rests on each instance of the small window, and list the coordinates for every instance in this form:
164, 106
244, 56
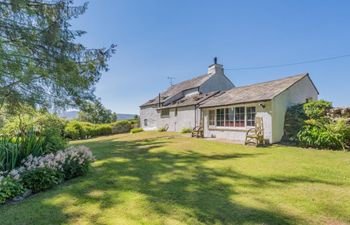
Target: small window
165, 112
251, 111
175, 111
211, 117
220, 117
239, 117
145, 122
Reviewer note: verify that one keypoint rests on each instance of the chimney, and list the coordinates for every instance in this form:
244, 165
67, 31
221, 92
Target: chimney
216, 68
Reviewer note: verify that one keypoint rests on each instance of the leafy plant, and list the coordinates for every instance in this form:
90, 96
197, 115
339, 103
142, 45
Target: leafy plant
9, 188
41, 179
9, 154
186, 130
122, 126
136, 130
317, 109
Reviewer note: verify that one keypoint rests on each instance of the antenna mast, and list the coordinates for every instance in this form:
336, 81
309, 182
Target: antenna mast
171, 80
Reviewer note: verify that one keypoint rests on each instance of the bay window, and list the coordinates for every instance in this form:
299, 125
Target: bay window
232, 117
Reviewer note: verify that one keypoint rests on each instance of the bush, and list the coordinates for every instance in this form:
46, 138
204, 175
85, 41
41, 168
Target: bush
317, 109
82, 130
162, 129
48, 127
136, 130
310, 126
74, 130
122, 126
76, 164
186, 130
9, 188
14, 150
40, 179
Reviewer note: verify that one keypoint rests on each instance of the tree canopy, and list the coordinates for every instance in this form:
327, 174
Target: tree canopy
95, 112
41, 62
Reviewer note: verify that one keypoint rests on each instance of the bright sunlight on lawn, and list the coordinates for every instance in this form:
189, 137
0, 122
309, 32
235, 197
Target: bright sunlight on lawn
167, 178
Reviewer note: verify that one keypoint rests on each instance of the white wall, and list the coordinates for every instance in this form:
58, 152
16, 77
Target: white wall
150, 113
296, 94
185, 119
239, 134
217, 82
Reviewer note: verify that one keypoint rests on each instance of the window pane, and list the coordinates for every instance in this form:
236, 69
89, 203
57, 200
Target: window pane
211, 117
220, 117
164, 113
239, 117
229, 117
251, 116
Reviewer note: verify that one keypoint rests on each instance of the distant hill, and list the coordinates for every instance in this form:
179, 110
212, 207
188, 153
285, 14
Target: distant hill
70, 115
122, 116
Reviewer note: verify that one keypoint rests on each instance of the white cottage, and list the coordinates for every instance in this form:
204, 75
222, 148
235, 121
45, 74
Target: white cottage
226, 111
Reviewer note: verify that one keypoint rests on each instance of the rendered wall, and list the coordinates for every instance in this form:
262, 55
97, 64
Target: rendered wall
296, 94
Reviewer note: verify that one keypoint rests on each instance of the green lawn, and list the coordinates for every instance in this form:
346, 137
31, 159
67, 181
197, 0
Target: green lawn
167, 178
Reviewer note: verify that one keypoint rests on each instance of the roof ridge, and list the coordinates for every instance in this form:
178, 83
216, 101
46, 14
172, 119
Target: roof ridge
302, 75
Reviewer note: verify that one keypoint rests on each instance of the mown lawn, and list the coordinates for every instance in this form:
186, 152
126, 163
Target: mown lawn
166, 178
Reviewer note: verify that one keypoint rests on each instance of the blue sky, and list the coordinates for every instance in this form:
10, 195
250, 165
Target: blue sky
161, 38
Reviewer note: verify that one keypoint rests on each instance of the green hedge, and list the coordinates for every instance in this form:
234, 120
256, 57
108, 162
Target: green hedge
82, 130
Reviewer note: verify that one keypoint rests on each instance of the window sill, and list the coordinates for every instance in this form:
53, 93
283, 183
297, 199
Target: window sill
230, 128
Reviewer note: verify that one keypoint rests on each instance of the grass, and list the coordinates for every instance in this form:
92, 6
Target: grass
167, 178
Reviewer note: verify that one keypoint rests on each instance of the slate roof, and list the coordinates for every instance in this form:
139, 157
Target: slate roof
177, 88
253, 93
194, 99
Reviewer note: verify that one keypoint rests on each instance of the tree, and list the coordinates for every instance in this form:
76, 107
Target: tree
95, 112
41, 62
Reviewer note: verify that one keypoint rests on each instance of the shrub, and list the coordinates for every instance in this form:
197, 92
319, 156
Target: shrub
317, 109
82, 130
329, 135
186, 130
9, 154
162, 129
73, 161
136, 130
294, 122
9, 188
76, 162
122, 126
40, 179
74, 130
14, 150
48, 127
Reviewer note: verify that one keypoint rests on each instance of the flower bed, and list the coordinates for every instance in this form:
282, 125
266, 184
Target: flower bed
44, 172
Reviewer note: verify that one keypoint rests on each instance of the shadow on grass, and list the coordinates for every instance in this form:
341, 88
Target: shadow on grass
168, 179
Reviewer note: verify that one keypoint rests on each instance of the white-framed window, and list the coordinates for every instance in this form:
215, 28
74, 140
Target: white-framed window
251, 112
232, 117
229, 117
220, 117
240, 117
145, 122
165, 113
212, 118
